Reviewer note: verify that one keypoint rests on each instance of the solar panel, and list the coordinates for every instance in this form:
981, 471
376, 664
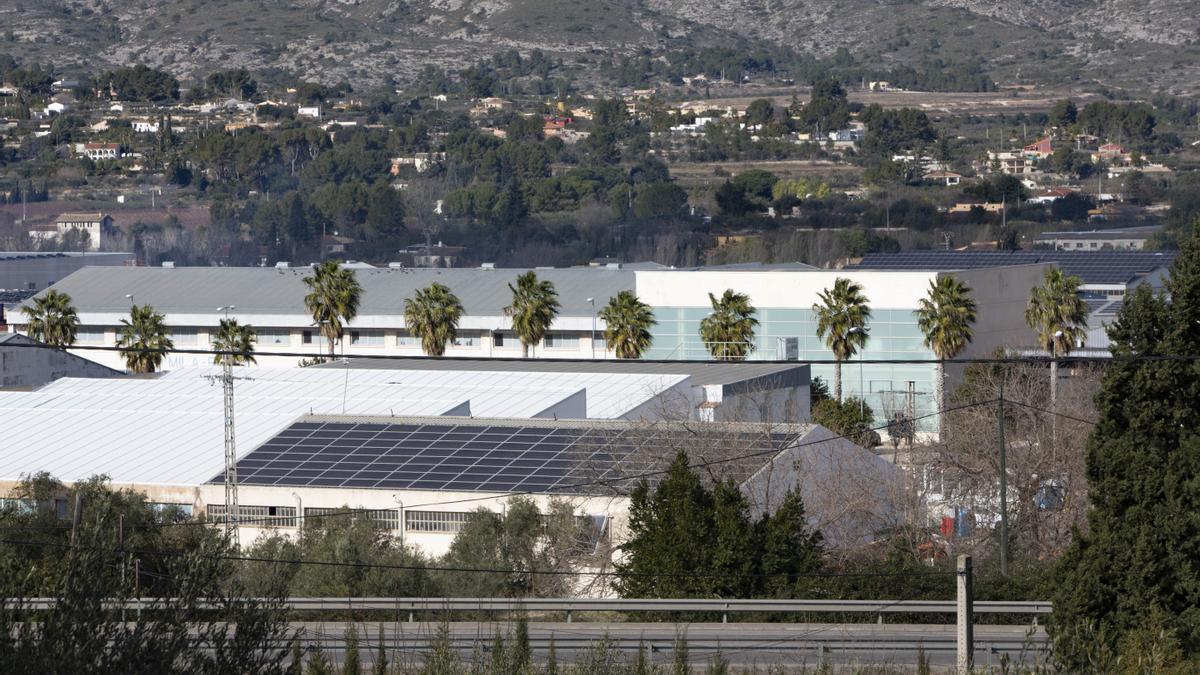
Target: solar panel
487, 456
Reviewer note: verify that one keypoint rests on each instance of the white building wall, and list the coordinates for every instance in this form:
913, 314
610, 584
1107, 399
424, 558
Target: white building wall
284, 334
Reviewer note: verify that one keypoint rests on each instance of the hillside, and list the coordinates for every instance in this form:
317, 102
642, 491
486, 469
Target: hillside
1141, 45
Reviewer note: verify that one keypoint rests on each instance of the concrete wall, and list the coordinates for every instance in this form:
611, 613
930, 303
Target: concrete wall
30, 367
849, 493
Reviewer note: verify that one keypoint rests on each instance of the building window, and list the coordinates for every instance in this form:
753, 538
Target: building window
313, 337
167, 512
560, 341
366, 338
387, 519
468, 339
444, 522
256, 516
90, 335
185, 336
406, 339
274, 336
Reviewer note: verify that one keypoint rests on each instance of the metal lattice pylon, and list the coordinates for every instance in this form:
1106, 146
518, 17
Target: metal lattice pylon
231, 480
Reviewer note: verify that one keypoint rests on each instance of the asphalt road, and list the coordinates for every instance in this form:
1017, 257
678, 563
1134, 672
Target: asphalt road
742, 644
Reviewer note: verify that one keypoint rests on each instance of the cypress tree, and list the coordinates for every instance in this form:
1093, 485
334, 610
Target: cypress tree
1141, 554
668, 529
733, 561
380, 667
789, 549
352, 663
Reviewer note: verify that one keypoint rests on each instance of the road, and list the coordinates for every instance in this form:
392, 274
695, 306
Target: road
742, 644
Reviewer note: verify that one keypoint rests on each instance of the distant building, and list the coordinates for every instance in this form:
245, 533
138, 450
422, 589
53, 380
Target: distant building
100, 151
25, 366
1013, 163
1052, 195
421, 161
438, 255
1107, 275
313, 111
1120, 239
144, 126
96, 225
1041, 149
36, 271
1112, 154
947, 178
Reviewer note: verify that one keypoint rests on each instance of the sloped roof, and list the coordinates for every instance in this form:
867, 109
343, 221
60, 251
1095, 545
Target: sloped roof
1093, 267
503, 455
256, 290
169, 429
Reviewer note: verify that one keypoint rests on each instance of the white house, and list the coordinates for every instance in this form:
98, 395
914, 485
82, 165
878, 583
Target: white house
313, 111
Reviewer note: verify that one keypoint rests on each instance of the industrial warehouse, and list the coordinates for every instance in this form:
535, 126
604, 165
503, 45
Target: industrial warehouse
398, 442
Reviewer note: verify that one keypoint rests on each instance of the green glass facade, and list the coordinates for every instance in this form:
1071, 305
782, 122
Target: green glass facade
791, 334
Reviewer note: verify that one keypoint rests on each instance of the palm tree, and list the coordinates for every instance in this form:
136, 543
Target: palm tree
144, 339
237, 340
1059, 317
728, 331
433, 315
842, 317
334, 294
534, 307
627, 322
52, 319
945, 316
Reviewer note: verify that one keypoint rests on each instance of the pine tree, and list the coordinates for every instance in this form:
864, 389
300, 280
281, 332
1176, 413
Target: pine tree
1139, 555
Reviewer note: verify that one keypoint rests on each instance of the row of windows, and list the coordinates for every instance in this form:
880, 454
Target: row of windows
184, 337
387, 519
256, 516
447, 522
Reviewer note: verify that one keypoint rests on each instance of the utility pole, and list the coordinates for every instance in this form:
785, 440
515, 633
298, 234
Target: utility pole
1003, 482
966, 616
76, 516
231, 498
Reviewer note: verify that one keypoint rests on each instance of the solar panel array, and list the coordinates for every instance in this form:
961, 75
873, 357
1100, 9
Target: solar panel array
477, 456
1094, 267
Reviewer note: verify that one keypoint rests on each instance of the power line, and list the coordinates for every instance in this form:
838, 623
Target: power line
1052, 412
476, 570
994, 360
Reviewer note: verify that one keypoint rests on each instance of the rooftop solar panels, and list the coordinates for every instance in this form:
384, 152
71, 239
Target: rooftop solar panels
492, 455
1094, 267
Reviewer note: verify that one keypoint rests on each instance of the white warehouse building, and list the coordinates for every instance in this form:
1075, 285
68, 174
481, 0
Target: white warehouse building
418, 449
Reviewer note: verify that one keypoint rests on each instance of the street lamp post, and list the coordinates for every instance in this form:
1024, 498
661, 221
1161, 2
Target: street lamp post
862, 395
592, 303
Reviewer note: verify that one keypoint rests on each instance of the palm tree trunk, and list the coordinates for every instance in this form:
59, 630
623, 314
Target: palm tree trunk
524, 349
837, 380
940, 398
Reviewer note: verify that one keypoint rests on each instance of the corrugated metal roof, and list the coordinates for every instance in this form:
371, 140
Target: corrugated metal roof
701, 373
170, 429
1093, 267
256, 290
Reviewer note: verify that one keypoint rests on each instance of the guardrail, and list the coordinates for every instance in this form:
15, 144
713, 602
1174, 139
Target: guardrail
571, 605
